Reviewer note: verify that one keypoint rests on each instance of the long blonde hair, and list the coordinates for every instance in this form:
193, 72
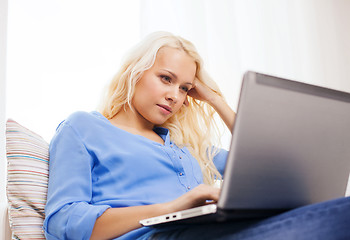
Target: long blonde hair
192, 126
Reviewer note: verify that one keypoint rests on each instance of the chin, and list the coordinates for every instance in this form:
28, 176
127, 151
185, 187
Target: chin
159, 122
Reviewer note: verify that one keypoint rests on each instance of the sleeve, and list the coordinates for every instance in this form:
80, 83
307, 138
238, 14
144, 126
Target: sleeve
69, 212
220, 160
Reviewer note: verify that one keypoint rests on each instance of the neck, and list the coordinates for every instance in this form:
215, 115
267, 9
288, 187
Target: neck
132, 120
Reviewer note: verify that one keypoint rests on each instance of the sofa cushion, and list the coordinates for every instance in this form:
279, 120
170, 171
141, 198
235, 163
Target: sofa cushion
27, 180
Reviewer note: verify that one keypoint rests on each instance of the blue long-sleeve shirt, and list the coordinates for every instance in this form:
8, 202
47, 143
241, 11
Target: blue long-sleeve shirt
95, 165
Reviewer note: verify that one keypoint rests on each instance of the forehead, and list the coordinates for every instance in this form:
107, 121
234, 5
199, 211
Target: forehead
176, 61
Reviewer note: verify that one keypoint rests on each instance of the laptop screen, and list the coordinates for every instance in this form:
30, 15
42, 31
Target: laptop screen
290, 145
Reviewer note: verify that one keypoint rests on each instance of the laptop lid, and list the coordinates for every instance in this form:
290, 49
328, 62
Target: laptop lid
290, 145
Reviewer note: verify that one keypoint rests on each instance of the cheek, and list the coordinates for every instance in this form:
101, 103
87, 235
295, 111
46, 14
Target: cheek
150, 85
143, 89
181, 102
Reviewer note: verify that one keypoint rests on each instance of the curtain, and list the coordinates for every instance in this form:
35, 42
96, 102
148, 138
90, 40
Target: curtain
305, 40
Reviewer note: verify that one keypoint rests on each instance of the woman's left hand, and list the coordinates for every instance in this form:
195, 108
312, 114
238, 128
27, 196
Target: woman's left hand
202, 92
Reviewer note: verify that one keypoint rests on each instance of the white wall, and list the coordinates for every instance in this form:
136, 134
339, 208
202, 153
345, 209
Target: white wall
3, 199
61, 54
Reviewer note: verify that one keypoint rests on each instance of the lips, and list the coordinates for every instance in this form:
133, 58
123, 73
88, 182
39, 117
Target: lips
167, 108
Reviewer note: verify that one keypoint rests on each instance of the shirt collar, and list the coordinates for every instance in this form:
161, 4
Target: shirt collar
163, 133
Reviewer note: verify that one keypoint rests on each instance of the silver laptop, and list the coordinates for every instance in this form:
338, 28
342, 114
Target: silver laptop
290, 147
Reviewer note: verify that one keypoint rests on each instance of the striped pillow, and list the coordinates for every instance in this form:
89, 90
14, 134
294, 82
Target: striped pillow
27, 180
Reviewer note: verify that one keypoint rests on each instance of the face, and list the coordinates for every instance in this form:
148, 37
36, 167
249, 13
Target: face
163, 88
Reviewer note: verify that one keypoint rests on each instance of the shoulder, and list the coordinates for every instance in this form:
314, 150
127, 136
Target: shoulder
79, 116
83, 126
83, 120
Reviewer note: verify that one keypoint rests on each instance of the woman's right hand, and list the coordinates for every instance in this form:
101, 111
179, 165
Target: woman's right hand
198, 196
127, 218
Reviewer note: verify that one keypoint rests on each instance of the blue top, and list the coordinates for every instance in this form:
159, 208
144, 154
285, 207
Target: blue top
95, 165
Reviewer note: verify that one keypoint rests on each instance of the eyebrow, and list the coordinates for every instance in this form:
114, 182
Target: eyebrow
175, 76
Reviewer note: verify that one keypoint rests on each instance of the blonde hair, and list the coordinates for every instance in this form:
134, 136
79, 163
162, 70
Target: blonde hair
192, 126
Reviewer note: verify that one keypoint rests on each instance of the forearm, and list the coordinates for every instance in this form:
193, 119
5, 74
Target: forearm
224, 111
115, 222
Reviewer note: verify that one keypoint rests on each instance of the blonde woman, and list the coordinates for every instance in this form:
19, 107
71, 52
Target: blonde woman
149, 151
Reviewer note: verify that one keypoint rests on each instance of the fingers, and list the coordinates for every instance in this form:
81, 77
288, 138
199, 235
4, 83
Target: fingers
186, 102
201, 92
206, 192
214, 194
198, 196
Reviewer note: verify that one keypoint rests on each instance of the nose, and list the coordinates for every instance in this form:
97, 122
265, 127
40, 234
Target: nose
172, 95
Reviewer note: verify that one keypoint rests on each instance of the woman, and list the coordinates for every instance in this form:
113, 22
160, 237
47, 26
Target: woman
149, 152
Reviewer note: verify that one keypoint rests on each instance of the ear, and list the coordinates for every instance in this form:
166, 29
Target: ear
186, 103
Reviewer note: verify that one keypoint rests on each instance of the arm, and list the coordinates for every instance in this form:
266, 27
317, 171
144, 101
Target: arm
224, 111
203, 93
117, 221
68, 212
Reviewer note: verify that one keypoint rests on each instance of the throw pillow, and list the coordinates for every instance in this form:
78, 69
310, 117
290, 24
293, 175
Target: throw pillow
27, 180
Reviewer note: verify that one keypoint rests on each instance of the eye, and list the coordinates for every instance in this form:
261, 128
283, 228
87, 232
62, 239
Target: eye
185, 89
165, 78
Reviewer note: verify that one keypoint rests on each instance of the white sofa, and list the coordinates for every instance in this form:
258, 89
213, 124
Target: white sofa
5, 230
